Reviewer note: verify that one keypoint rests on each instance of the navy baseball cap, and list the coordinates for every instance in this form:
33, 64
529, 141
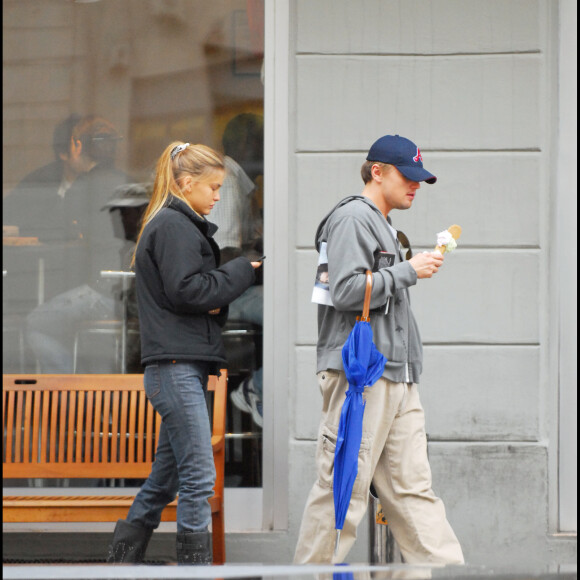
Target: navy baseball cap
403, 154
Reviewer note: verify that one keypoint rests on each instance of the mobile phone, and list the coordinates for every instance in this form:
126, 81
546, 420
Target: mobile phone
261, 259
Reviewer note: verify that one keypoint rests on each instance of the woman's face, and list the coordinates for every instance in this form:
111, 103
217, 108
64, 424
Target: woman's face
202, 195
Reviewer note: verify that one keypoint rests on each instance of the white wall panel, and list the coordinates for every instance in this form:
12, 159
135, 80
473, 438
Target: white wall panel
307, 397
484, 102
481, 392
302, 462
495, 498
493, 196
306, 311
480, 296
566, 272
417, 26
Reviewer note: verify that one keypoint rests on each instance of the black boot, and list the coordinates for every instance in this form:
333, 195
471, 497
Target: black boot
129, 543
194, 548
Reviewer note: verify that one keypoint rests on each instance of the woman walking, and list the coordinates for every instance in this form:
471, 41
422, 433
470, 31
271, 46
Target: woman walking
182, 295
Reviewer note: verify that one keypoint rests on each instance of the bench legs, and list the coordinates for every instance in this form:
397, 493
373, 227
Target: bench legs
219, 533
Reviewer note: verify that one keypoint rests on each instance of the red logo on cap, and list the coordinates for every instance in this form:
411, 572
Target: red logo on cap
418, 157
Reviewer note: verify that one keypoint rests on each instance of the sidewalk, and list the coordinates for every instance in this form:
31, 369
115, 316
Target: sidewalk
256, 571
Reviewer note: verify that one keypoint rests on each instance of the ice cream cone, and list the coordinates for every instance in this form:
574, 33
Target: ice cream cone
455, 232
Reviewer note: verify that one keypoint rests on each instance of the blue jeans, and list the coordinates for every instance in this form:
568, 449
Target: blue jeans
51, 327
184, 458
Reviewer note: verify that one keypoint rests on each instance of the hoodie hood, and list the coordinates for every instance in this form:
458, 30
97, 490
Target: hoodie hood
318, 237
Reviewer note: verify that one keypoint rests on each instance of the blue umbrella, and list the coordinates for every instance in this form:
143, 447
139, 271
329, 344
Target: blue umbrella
348, 575
363, 366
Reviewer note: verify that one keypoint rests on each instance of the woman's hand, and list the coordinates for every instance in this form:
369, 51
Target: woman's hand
256, 265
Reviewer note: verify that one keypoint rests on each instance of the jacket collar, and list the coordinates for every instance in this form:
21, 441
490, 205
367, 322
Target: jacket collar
206, 228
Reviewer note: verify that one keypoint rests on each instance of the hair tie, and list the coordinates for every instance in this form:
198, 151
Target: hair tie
178, 149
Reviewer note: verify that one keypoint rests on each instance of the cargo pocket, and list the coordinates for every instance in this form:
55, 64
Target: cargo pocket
325, 460
325, 456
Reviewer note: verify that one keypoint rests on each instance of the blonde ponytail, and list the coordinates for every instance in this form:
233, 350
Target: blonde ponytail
172, 166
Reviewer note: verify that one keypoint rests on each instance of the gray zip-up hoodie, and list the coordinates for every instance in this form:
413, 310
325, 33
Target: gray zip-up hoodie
355, 231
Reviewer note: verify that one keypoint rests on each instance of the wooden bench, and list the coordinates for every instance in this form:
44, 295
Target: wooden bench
92, 426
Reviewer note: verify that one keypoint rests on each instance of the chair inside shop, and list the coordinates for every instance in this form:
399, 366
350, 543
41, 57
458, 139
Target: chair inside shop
243, 344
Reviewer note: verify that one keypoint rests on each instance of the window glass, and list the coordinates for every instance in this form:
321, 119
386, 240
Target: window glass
93, 93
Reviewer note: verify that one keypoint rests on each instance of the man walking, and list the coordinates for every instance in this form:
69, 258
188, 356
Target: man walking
356, 236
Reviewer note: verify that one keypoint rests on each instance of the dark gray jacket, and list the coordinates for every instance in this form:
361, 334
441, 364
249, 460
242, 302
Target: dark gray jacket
178, 281
355, 231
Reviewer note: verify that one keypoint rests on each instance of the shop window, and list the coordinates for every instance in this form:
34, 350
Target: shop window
151, 72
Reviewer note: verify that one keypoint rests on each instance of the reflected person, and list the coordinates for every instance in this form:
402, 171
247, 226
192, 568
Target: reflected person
35, 204
240, 232
33, 209
85, 245
126, 209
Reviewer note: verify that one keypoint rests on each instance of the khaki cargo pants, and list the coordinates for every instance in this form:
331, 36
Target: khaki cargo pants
393, 456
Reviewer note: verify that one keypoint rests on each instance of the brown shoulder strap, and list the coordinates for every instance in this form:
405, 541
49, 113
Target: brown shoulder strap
367, 302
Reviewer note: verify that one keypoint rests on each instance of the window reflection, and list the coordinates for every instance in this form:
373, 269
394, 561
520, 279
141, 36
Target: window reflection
92, 97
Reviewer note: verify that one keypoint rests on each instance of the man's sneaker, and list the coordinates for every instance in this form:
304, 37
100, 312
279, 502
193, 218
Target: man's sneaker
241, 399
256, 404
247, 401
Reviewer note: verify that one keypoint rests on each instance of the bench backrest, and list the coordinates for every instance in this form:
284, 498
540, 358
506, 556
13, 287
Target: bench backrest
84, 426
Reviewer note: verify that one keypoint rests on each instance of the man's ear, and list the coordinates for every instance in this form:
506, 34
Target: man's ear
76, 147
377, 172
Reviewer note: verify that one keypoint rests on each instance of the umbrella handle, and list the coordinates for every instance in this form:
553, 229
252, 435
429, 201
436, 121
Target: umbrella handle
367, 303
